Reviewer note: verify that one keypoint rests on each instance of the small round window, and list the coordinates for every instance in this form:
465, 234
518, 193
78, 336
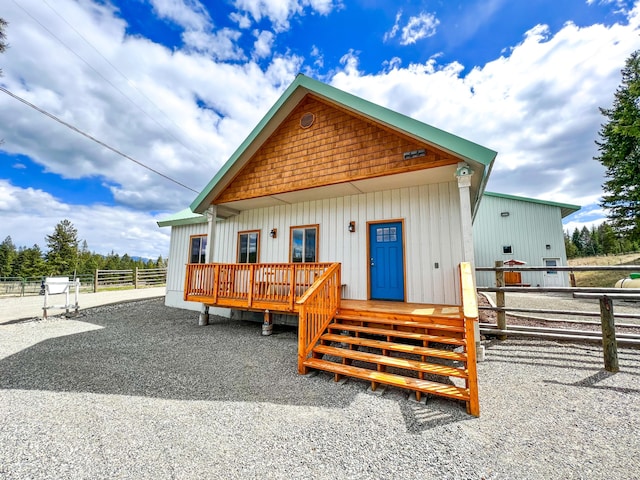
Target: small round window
307, 120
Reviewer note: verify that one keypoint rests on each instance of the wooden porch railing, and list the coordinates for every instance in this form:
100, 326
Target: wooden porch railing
257, 286
470, 312
316, 309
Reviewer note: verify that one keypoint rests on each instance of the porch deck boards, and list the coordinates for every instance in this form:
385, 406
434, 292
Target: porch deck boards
389, 309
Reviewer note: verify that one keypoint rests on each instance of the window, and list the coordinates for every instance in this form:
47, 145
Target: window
248, 246
304, 244
386, 234
507, 249
198, 249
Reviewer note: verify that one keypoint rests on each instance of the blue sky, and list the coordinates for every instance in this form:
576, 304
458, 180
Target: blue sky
178, 84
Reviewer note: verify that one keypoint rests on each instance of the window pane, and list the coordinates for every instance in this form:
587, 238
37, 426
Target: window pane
296, 245
310, 245
253, 248
242, 248
194, 256
203, 249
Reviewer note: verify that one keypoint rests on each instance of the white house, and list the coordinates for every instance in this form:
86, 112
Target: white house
338, 210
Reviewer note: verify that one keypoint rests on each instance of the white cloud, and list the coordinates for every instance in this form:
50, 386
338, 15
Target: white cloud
318, 57
262, 45
280, 12
394, 30
199, 32
243, 21
538, 107
419, 27
220, 45
104, 228
191, 15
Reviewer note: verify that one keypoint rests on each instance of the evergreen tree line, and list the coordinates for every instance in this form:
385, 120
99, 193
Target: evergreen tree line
64, 256
601, 240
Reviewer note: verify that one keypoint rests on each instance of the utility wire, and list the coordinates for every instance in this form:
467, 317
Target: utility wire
102, 76
77, 130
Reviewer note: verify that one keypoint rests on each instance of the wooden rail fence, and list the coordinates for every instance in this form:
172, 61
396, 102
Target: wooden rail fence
136, 278
604, 295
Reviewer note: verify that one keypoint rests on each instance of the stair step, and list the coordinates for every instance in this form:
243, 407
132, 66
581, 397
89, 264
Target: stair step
396, 347
410, 383
431, 323
400, 319
397, 362
396, 333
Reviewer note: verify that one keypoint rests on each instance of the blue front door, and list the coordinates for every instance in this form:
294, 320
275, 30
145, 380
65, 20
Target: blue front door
386, 264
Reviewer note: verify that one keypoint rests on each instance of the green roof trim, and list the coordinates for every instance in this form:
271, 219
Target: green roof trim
565, 208
458, 146
183, 217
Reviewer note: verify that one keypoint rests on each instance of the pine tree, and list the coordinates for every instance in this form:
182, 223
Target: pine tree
575, 238
610, 244
620, 153
7, 257
29, 263
62, 256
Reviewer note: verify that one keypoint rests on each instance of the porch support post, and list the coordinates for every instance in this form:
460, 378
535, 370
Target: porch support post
464, 174
211, 214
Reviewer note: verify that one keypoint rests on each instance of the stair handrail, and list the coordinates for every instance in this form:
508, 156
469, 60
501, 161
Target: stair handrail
469, 299
316, 309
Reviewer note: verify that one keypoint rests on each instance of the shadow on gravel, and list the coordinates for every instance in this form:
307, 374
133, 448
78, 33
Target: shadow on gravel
593, 380
564, 355
146, 349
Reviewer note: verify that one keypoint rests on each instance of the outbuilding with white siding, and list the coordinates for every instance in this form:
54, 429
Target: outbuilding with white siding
509, 227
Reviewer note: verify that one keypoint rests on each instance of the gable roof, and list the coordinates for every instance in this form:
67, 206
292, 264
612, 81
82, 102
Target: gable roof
565, 208
481, 157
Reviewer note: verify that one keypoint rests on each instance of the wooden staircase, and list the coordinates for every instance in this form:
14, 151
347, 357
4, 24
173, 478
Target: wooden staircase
427, 354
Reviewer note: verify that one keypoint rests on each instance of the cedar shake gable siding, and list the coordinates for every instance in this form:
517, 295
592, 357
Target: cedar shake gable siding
340, 146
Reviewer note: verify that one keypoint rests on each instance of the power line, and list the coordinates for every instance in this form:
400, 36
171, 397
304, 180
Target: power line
99, 142
102, 76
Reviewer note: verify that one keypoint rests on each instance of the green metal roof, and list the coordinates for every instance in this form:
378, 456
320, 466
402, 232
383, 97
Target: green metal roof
183, 217
464, 149
565, 208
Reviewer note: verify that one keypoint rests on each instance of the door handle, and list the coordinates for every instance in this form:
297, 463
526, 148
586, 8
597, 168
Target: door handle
372, 263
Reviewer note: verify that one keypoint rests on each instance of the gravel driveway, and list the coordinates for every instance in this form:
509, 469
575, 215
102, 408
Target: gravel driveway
139, 391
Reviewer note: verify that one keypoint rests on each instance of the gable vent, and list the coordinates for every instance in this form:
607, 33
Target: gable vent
307, 120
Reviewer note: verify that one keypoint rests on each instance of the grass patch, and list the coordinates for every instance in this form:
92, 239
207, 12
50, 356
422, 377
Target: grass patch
605, 279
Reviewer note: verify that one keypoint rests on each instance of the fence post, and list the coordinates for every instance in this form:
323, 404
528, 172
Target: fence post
502, 316
95, 282
135, 279
609, 345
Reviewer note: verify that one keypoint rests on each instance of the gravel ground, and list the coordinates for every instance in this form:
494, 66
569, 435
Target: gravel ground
138, 390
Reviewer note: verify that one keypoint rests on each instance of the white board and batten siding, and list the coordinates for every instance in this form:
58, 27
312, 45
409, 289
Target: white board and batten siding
432, 224
179, 252
533, 230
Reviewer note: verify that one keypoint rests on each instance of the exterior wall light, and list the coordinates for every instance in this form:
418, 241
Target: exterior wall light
352, 226
273, 233
504, 214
